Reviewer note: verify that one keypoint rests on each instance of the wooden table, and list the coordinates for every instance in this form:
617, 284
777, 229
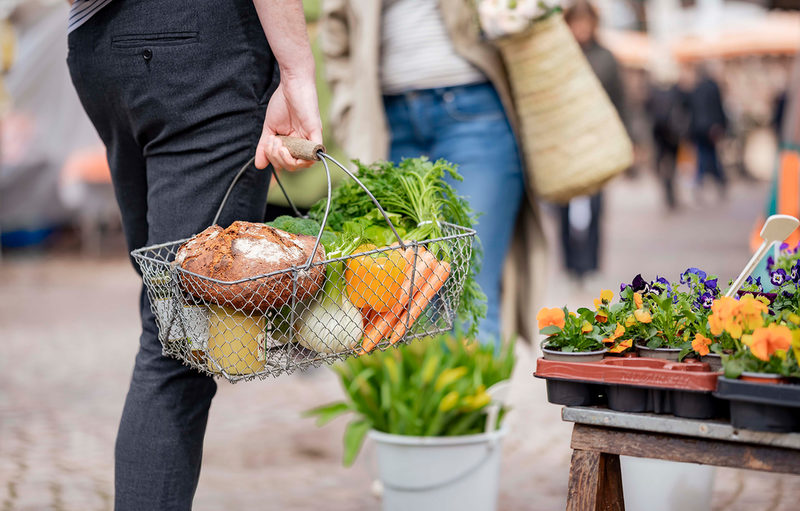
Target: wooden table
600, 435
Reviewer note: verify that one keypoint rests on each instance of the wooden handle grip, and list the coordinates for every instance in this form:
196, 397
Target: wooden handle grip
301, 148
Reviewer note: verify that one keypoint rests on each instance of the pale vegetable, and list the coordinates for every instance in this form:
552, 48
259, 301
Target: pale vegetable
331, 323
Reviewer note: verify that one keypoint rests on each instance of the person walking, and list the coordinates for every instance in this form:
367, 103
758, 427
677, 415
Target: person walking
581, 230
666, 105
415, 77
183, 93
707, 127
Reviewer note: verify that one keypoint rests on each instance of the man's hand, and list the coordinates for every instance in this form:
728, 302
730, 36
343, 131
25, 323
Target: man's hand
292, 111
293, 108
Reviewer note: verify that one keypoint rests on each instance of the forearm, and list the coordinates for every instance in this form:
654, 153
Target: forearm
284, 25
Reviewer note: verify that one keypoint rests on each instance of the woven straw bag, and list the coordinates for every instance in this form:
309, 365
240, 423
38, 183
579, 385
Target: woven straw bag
572, 137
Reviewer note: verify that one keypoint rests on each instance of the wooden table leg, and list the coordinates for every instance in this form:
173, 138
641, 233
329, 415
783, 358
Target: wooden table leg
609, 490
595, 482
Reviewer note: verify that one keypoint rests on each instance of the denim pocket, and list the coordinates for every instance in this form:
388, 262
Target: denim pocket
139, 41
473, 103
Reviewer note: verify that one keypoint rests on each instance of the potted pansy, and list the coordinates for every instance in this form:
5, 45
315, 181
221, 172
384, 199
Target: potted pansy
571, 336
769, 354
755, 343
666, 319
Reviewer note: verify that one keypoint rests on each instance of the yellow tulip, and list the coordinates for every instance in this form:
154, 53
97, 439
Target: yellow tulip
449, 376
449, 401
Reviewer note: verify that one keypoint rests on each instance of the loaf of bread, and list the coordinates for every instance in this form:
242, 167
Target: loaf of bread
243, 251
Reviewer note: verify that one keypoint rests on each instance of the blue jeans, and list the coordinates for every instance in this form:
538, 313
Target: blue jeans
177, 90
467, 126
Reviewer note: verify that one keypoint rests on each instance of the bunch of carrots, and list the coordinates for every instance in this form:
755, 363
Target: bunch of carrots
380, 284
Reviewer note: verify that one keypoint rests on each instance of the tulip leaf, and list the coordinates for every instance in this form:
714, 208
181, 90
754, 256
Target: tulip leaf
353, 439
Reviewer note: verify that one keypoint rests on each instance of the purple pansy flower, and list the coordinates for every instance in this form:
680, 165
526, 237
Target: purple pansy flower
706, 300
778, 277
784, 247
795, 274
770, 263
701, 275
756, 282
640, 285
712, 286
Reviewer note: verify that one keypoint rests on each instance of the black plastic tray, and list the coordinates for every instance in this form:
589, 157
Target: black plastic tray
632, 398
762, 406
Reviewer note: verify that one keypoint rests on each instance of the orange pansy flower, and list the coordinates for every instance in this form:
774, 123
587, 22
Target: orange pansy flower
700, 344
766, 341
637, 299
622, 346
550, 317
642, 316
616, 335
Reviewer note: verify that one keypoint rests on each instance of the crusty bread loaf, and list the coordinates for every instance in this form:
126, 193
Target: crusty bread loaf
245, 250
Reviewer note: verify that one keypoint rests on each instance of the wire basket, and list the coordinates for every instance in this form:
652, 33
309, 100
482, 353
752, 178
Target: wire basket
309, 314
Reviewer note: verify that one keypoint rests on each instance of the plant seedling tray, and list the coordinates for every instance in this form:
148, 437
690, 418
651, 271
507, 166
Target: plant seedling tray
762, 406
634, 384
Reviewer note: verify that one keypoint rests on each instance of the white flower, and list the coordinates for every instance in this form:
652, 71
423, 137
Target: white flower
498, 17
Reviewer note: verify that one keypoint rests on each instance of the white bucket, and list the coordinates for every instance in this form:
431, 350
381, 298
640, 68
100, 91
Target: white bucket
657, 485
439, 473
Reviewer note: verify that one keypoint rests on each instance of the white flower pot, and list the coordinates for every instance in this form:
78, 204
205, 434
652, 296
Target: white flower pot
658, 485
438, 473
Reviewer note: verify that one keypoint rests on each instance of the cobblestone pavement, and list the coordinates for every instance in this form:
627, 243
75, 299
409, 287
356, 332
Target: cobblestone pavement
68, 331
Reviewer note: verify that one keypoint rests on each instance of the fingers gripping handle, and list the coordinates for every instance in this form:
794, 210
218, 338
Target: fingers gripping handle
301, 148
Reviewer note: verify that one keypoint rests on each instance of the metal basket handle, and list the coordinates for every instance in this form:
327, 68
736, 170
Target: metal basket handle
307, 150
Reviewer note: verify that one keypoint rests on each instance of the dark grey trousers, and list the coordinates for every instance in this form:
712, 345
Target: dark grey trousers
177, 90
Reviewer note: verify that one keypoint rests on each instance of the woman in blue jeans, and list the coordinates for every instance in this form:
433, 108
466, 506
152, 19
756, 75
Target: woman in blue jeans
465, 124
422, 66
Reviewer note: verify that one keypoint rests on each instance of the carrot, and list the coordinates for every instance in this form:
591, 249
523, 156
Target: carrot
381, 324
421, 300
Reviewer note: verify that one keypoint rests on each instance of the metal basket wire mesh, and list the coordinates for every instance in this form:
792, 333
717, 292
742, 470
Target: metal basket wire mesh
271, 324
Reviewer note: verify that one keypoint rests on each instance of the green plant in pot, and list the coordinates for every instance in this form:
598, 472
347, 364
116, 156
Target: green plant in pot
769, 354
427, 407
571, 336
665, 318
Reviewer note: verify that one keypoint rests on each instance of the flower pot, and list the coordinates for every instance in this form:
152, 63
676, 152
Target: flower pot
435, 473
714, 361
761, 406
762, 377
660, 353
581, 356
634, 384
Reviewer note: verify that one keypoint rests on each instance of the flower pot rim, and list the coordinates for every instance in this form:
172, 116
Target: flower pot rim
393, 438
571, 353
762, 376
644, 347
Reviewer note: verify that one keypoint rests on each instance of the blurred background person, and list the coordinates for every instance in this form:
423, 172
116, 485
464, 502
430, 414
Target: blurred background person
707, 127
581, 217
666, 105
415, 77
